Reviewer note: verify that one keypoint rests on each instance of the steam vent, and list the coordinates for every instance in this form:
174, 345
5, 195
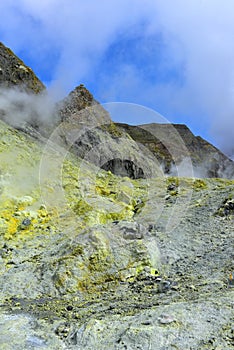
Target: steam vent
106, 240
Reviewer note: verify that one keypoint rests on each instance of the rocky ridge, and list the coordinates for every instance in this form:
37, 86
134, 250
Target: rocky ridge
162, 141
134, 150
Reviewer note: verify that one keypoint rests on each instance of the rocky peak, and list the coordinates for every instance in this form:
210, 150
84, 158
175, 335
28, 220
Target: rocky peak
13, 72
81, 107
77, 100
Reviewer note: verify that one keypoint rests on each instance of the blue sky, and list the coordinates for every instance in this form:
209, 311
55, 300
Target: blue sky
173, 56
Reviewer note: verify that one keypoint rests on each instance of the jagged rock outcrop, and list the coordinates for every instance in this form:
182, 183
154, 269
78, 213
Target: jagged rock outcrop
22, 95
80, 108
13, 72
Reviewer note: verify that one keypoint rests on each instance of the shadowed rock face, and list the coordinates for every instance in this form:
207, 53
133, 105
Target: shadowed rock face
13, 72
123, 168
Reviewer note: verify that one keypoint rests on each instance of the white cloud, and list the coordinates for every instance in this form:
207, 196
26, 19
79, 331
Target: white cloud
80, 30
205, 31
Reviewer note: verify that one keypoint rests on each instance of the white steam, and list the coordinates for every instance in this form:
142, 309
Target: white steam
18, 108
204, 169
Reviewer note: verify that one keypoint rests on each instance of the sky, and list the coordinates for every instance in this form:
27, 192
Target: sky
173, 56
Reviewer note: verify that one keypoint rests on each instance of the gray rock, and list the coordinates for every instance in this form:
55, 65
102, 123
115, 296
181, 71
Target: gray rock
20, 331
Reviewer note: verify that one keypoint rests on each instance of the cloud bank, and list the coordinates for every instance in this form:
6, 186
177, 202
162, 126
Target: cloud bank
176, 57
